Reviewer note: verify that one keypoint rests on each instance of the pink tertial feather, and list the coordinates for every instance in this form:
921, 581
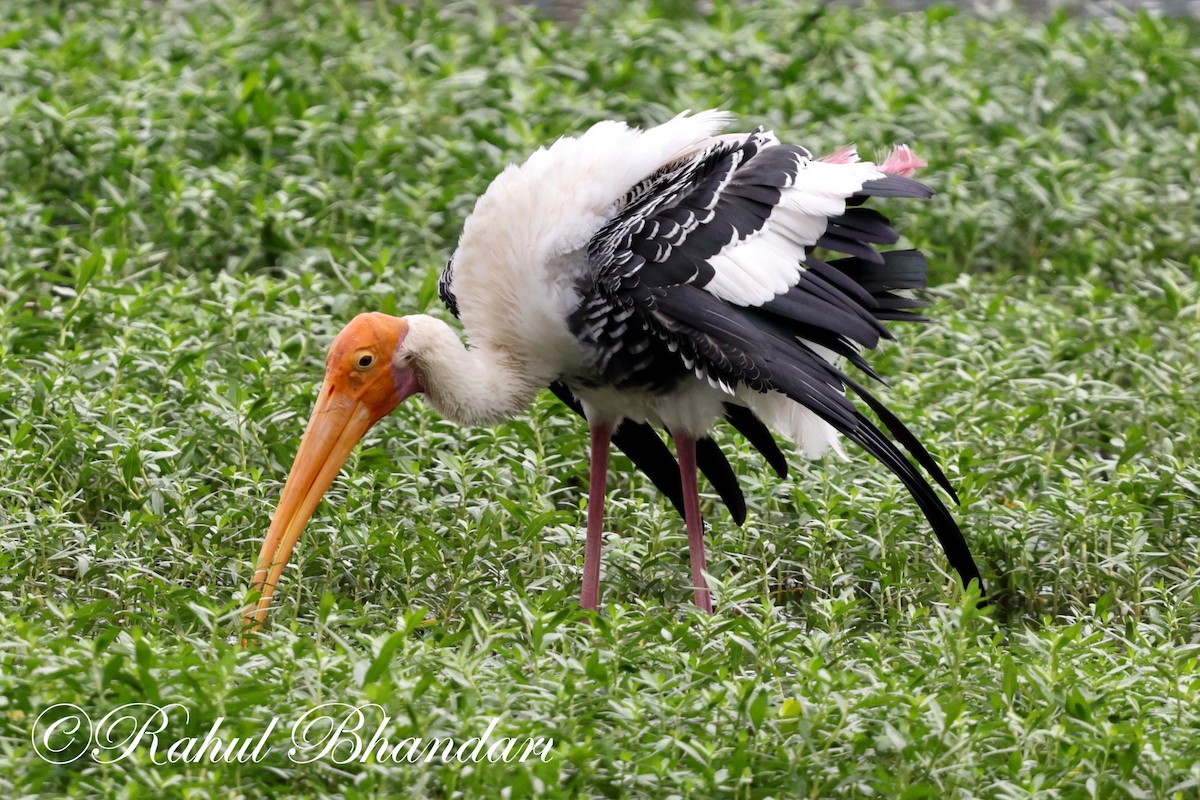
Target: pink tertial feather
901, 161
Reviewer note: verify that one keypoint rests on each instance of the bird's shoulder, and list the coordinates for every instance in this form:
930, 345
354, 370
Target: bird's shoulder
517, 266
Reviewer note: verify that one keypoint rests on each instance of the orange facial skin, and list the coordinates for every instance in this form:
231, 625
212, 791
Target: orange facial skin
362, 385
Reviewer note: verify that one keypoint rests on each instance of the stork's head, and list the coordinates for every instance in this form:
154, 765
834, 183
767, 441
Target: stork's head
368, 372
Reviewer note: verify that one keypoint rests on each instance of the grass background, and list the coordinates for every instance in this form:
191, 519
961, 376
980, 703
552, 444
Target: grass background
195, 196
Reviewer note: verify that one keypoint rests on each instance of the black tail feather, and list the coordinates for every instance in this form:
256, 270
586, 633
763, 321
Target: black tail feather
757, 434
867, 224
903, 435
644, 447
650, 454
895, 186
853, 247
953, 543
712, 462
860, 430
901, 269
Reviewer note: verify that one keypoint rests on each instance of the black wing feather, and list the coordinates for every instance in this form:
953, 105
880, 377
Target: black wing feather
651, 264
818, 385
726, 195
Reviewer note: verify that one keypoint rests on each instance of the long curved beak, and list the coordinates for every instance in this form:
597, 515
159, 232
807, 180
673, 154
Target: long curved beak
338, 422
362, 385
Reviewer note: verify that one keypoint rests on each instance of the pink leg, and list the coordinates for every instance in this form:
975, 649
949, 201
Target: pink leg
685, 448
590, 596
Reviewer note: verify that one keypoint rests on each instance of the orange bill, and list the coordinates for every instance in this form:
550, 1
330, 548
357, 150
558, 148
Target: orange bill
361, 386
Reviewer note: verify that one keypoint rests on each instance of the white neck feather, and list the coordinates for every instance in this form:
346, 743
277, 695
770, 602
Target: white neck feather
475, 386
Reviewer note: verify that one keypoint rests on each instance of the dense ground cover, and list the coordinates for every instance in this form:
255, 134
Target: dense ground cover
195, 196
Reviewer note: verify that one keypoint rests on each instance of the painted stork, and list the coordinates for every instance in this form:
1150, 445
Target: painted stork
649, 278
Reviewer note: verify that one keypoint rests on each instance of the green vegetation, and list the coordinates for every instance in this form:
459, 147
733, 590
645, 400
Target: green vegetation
195, 196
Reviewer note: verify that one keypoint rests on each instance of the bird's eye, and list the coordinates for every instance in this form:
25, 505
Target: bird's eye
365, 360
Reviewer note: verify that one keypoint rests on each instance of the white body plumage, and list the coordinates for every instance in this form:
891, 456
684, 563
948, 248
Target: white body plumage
523, 252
